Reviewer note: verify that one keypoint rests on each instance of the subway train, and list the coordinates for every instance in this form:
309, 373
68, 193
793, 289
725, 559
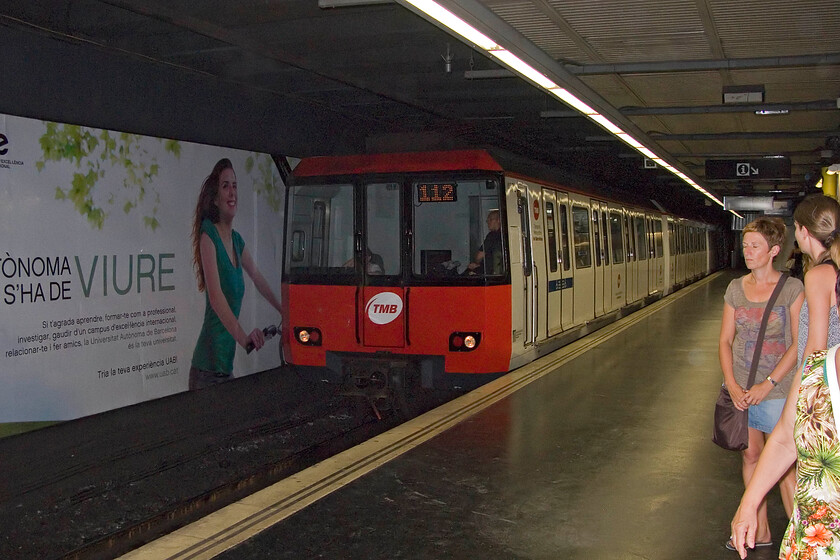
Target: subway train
409, 270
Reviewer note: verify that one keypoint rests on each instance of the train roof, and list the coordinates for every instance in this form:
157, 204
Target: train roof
403, 162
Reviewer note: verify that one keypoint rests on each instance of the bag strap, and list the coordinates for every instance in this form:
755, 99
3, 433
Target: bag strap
834, 390
764, 319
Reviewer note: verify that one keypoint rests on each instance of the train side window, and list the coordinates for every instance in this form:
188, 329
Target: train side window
580, 232
657, 236
641, 250
605, 238
552, 236
597, 234
651, 245
565, 254
628, 236
672, 245
617, 238
680, 244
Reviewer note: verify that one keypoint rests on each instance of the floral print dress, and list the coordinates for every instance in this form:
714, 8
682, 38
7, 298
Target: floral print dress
814, 529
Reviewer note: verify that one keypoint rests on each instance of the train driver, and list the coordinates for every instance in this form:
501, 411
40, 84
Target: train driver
490, 252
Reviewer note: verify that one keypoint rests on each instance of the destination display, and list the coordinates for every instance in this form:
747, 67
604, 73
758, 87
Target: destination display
437, 192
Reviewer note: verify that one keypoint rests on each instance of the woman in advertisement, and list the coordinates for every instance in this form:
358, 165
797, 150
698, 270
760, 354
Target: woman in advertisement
220, 256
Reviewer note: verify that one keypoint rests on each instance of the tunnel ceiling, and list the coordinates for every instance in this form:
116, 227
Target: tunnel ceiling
398, 82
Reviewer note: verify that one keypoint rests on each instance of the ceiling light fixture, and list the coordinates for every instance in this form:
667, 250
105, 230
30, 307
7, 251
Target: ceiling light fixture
460, 27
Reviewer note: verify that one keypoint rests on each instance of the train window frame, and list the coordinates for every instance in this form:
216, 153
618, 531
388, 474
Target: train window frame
565, 249
605, 236
326, 213
596, 235
551, 236
618, 249
672, 242
478, 195
582, 240
657, 238
641, 237
651, 245
372, 197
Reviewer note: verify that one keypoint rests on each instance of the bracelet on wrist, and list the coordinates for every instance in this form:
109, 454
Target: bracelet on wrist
771, 380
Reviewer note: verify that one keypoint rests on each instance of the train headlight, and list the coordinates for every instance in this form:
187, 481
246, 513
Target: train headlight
464, 341
308, 336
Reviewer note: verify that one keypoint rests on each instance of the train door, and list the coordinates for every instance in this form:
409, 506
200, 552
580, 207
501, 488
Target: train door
584, 284
643, 262
656, 262
567, 279
598, 257
618, 257
630, 245
671, 278
522, 286
554, 274
651, 256
691, 269
536, 215
681, 258
378, 250
606, 257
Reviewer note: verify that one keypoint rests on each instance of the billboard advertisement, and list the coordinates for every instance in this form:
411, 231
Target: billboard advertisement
105, 241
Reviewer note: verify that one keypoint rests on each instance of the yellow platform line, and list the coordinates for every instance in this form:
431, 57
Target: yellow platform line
238, 522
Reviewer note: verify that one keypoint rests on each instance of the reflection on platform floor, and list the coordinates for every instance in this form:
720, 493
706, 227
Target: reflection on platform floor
608, 455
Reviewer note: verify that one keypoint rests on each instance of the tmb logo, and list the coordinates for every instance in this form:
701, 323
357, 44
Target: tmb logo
4, 141
384, 308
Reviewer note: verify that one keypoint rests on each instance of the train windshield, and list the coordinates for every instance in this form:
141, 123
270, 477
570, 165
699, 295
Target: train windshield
457, 228
349, 231
320, 236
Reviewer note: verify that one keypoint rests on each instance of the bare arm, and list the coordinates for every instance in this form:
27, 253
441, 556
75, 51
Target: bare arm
727, 335
215, 294
778, 455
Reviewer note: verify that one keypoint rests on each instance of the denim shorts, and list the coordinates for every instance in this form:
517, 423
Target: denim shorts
764, 415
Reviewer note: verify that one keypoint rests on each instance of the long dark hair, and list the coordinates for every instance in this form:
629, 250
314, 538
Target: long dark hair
206, 209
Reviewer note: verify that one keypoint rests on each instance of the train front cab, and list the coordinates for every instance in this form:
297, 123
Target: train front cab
376, 266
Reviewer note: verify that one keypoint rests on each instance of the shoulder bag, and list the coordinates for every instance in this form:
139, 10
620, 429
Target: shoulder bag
731, 425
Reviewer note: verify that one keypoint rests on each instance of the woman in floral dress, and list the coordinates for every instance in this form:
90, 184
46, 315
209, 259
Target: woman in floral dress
814, 529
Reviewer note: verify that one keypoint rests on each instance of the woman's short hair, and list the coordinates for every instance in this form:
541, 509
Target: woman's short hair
771, 229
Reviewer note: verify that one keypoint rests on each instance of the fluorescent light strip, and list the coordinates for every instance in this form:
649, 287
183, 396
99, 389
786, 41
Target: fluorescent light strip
479, 39
606, 123
629, 140
569, 99
453, 22
517, 64
647, 153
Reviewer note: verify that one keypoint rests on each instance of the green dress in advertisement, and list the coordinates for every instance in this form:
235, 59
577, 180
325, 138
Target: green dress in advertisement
216, 348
